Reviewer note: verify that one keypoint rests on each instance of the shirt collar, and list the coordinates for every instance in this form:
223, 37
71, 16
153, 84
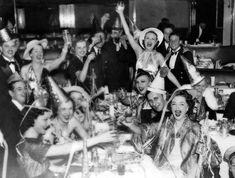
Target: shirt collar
7, 59
17, 104
177, 50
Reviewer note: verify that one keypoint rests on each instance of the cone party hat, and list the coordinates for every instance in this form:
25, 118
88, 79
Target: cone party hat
157, 85
194, 76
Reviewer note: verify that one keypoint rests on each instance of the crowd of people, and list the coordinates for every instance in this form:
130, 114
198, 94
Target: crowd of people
43, 119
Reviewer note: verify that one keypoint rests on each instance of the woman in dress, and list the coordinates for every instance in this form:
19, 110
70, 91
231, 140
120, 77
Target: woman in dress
79, 64
177, 147
33, 154
32, 72
148, 58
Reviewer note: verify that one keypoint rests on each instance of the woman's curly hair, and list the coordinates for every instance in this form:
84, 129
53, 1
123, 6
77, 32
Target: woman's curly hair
188, 98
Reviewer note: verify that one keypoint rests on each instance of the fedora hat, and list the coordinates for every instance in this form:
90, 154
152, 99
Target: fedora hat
30, 45
154, 30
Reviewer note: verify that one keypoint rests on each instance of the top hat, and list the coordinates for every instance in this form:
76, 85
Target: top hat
6, 35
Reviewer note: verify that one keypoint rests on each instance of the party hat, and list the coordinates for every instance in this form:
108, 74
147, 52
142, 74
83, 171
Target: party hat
157, 85
15, 77
117, 24
194, 76
57, 96
6, 35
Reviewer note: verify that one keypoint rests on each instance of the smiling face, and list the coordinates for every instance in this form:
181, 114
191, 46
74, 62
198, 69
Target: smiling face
42, 123
174, 42
78, 99
156, 101
18, 92
9, 48
150, 40
179, 107
36, 53
142, 83
201, 86
81, 49
65, 111
166, 33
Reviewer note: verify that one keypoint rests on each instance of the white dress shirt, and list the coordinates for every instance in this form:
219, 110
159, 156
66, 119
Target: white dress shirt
17, 104
173, 58
12, 66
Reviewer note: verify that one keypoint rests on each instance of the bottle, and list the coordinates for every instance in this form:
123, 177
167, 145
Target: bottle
85, 164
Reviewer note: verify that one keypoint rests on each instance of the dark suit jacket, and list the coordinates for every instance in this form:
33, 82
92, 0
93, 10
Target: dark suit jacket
205, 36
179, 70
5, 67
162, 49
9, 125
115, 66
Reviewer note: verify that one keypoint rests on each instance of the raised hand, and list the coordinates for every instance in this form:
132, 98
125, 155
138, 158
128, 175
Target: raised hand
120, 7
91, 56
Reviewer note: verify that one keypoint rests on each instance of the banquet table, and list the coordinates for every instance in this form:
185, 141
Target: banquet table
224, 142
145, 168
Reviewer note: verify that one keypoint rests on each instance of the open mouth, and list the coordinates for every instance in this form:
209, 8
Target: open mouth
178, 113
149, 45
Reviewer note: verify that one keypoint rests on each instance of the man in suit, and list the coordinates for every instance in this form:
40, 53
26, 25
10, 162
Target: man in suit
95, 68
8, 46
117, 60
164, 47
175, 64
199, 34
10, 122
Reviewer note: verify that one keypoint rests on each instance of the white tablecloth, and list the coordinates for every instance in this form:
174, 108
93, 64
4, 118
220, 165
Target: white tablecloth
224, 143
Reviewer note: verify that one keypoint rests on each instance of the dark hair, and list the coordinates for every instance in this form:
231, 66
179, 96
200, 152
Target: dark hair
11, 85
79, 39
156, 36
176, 33
32, 114
31, 50
168, 26
141, 72
188, 98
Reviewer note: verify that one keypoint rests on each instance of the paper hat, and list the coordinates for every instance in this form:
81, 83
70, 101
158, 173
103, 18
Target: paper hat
15, 77
155, 30
117, 24
30, 45
6, 35
57, 96
194, 76
157, 85
77, 89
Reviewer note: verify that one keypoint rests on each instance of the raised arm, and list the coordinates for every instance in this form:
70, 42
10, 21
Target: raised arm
81, 75
136, 47
55, 64
64, 149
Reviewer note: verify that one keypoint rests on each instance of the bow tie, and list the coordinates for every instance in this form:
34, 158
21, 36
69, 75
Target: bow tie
174, 53
11, 62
